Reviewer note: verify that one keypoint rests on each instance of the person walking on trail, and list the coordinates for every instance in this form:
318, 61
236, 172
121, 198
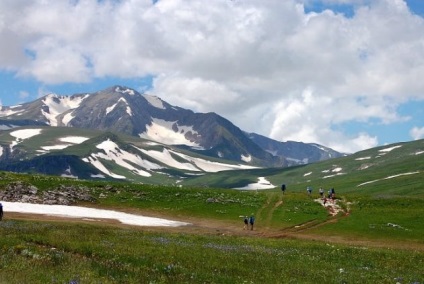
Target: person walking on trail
332, 194
246, 222
251, 221
1, 211
309, 190
321, 192
283, 188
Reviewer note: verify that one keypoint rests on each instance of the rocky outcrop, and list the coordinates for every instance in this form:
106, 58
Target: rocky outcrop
61, 195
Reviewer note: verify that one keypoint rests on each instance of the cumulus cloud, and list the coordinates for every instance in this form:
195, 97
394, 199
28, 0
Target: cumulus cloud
268, 66
417, 133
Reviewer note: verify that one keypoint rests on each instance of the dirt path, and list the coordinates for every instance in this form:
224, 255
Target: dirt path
216, 227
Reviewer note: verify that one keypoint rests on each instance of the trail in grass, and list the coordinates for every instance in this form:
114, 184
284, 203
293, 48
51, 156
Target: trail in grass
265, 213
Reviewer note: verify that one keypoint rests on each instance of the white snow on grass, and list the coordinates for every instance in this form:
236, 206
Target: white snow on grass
307, 174
362, 158
73, 139
419, 152
1, 151
330, 176
125, 159
336, 170
389, 177
155, 101
262, 183
58, 105
389, 149
209, 166
23, 134
92, 213
166, 158
55, 147
68, 139
97, 176
161, 130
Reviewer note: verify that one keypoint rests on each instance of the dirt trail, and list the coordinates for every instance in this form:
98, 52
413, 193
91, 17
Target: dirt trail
216, 227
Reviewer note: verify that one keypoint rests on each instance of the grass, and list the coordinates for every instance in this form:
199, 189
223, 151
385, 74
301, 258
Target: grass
294, 241
56, 253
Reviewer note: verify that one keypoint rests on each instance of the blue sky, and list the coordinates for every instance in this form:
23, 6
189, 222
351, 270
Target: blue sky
346, 74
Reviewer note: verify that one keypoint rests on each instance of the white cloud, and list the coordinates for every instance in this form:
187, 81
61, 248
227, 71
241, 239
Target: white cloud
266, 65
417, 133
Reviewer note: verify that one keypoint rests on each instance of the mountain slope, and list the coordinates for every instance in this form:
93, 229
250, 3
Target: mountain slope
123, 110
86, 154
296, 153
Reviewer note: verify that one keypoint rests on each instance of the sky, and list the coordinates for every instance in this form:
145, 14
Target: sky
346, 74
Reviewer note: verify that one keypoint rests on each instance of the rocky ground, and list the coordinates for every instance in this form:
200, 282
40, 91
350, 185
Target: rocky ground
61, 195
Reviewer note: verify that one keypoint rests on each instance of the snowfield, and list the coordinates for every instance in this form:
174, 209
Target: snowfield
88, 213
262, 183
23, 134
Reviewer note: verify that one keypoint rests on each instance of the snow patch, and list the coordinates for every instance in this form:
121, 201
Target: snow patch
4, 111
125, 159
307, 174
246, 159
390, 149
262, 183
55, 147
363, 158
162, 131
209, 166
86, 212
125, 91
166, 158
329, 176
58, 105
23, 134
73, 139
155, 101
389, 177
68, 174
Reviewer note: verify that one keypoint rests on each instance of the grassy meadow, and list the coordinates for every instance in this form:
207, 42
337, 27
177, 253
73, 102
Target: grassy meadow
376, 238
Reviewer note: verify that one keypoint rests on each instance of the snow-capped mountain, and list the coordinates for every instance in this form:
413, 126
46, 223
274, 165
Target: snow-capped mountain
123, 110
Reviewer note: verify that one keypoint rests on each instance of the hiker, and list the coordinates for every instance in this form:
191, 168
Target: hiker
332, 194
246, 221
309, 190
283, 188
251, 221
321, 192
1, 211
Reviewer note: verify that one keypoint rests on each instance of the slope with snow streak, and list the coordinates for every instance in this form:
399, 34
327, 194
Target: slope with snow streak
23, 134
162, 131
58, 105
112, 152
85, 212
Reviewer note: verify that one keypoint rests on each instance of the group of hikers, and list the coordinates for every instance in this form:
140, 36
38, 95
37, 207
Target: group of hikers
248, 222
331, 192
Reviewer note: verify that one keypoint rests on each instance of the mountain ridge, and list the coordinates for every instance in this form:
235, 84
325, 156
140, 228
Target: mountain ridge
124, 110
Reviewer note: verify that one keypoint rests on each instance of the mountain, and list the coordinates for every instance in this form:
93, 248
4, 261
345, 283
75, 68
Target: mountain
93, 154
295, 153
122, 110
